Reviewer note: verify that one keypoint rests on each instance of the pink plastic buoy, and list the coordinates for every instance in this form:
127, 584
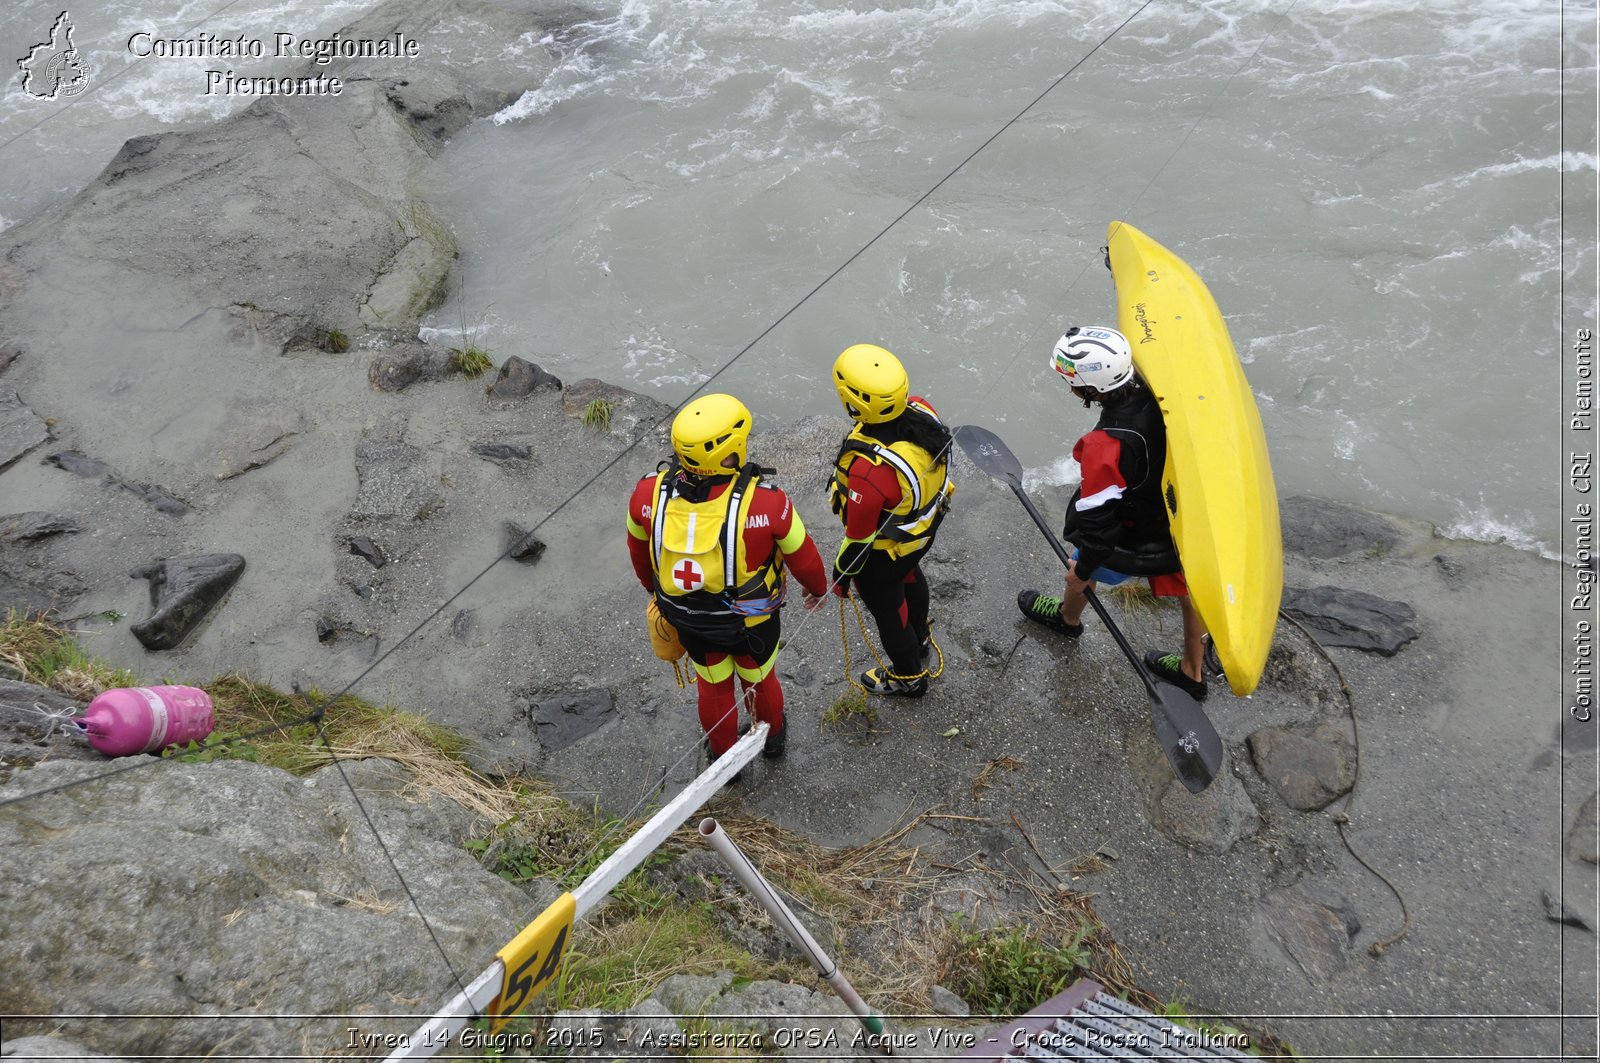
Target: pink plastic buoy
127, 720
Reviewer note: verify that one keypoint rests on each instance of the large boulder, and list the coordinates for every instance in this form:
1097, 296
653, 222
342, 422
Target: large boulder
176, 894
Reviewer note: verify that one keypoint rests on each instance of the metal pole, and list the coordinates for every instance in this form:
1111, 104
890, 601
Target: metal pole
471, 1002
768, 898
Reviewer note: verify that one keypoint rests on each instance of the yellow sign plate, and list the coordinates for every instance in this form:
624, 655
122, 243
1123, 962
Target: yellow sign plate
532, 959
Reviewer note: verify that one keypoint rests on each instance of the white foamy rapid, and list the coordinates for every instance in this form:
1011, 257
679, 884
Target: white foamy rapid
50, 148
1373, 191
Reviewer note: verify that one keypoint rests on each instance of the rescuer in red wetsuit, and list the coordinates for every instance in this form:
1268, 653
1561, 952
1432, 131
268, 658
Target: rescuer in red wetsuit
891, 487
1117, 518
724, 603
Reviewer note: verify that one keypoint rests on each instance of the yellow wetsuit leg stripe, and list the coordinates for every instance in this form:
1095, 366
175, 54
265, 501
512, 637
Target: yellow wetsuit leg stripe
758, 673
716, 673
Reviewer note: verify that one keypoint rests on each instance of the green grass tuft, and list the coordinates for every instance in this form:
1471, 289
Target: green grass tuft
471, 362
337, 342
1008, 971
847, 706
597, 415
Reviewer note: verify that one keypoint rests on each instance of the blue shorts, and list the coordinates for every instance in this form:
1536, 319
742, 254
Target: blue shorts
1106, 577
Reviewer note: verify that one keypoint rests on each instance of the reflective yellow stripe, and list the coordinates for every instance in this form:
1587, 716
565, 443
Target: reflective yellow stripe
838, 559
715, 673
757, 674
638, 531
797, 533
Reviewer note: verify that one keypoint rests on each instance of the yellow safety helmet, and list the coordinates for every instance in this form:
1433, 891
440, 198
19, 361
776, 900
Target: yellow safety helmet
871, 383
707, 430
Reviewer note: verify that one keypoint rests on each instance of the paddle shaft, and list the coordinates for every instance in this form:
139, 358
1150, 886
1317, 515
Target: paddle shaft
1094, 599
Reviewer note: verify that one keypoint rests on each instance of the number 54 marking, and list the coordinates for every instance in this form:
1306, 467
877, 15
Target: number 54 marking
532, 959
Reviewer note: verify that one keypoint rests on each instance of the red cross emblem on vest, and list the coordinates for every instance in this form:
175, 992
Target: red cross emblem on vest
688, 575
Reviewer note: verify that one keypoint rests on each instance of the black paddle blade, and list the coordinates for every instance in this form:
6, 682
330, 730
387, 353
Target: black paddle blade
989, 453
1192, 745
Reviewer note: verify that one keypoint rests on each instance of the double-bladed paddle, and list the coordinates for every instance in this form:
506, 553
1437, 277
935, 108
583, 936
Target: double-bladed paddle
1191, 744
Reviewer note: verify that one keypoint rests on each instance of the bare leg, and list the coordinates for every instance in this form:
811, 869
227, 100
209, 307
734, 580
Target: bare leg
1074, 601
1194, 647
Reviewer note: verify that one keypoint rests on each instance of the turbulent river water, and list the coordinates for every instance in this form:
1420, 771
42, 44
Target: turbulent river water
1392, 201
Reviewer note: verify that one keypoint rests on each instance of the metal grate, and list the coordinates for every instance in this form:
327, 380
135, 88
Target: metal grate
1086, 1024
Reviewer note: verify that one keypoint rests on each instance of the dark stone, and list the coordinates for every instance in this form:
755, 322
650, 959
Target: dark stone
83, 465
1557, 911
401, 366
368, 551
503, 451
1362, 621
519, 378
155, 497
183, 591
521, 544
325, 629
1308, 768
1318, 528
461, 625
1316, 937
20, 428
561, 719
34, 525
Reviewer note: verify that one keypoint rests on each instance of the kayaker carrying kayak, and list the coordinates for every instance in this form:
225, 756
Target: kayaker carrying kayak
1117, 519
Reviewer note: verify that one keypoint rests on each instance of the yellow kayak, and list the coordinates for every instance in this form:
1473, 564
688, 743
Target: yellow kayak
1217, 481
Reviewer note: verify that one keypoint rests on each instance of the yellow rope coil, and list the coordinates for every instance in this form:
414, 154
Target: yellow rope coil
844, 641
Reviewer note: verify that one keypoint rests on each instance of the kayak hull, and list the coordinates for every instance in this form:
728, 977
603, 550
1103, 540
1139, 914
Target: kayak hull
1221, 499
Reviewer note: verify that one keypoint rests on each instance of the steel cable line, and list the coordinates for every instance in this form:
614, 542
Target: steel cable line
608, 466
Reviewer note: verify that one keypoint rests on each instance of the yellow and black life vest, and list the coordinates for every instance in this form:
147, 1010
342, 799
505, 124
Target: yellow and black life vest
704, 582
925, 490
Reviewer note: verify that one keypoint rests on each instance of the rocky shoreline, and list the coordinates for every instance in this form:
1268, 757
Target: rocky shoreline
184, 444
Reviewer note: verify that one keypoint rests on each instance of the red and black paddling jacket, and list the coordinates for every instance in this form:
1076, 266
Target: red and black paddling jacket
1118, 517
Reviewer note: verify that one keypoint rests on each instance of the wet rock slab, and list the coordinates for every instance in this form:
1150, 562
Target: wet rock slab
1320, 529
33, 526
1315, 935
1308, 767
82, 465
20, 428
1356, 619
255, 440
1211, 821
183, 591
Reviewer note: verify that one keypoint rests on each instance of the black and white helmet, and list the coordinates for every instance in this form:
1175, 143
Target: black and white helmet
1096, 358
